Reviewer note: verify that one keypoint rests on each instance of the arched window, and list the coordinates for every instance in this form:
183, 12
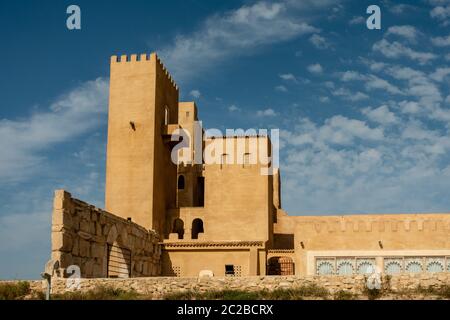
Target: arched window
118, 261
393, 266
118, 258
180, 182
325, 267
344, 267
178, 227
197, 227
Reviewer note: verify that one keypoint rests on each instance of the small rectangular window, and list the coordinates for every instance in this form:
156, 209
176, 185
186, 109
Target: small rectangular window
223, 160
229, 269
187, 114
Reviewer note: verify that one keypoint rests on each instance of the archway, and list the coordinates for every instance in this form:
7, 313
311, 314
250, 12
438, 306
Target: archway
282, 266
178, 227
197, 227
118, 263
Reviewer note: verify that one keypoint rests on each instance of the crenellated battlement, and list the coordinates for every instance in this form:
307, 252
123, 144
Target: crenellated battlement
142, 58
375, 223
165, 71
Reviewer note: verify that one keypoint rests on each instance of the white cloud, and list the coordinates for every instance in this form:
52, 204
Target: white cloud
419, 85
236, 32
233, 108
375, 66
319, 42
438, 2
351, 76
357, 20
348, 95
395, 50
441, 14
315, 68
288, 77
406, 73
440, 74
401, 8
408, 32
195, 93
337, 130
409, 106
342, 130
345, 166
374, 82
329, 84
380, 115
24, 141
441, 41
371, 81
324, 99
281, 88
266, 113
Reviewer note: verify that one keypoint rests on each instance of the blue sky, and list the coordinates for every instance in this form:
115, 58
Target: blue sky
364, 114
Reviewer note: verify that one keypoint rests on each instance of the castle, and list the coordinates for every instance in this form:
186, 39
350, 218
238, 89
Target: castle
166, 218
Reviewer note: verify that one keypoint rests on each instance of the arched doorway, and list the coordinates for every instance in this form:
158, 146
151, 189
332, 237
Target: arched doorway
282, 266
197, 227
118, 262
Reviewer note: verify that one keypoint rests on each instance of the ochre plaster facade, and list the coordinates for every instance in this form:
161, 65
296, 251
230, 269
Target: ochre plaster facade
227, 217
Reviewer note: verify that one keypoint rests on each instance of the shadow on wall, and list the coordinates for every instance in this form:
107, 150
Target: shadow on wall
283, 241
168, 269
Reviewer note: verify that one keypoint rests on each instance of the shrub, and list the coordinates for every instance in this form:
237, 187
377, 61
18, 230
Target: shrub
373, 294
278, 294
442, 291
184, 295
344, 295
231, 295
99, 293
13, 291
312, 290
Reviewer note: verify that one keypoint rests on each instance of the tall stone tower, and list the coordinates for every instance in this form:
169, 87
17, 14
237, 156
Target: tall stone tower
143, 109
190, 180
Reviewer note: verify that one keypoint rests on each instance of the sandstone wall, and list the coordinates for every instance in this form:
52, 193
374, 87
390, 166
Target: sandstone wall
158, 286
82, 235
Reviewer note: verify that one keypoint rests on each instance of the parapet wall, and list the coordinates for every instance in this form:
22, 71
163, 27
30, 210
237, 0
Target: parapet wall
157, 287
100, 243
426, 222
142, 58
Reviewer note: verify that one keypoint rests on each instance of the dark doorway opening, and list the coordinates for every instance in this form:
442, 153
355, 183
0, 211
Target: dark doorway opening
197, 227
178, 227
281, 266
